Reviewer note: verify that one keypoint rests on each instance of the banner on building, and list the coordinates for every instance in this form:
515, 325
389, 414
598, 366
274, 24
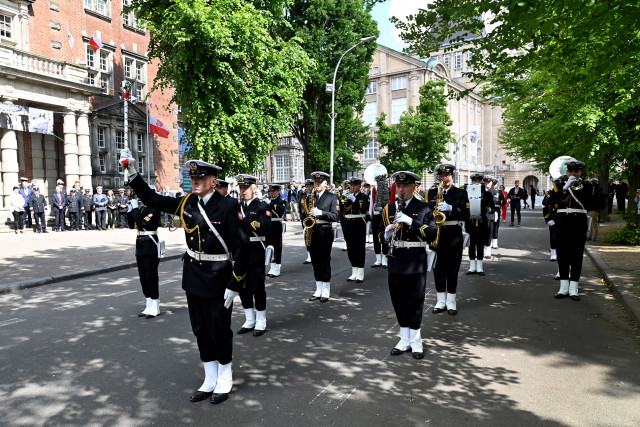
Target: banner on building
15, 117
40, 121
474, 139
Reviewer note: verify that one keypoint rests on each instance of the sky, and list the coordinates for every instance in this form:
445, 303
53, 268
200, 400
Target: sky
389, 35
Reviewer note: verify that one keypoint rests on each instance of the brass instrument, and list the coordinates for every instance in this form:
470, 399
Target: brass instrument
392, 241
577, 184
343, 195
417, 195
439, 216
309, 221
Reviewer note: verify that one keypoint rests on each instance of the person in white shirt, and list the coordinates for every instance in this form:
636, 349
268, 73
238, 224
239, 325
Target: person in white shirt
17, 209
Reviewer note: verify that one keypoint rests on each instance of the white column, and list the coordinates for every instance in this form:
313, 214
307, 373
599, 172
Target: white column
49, 158
71, 169
10, 167
84, 151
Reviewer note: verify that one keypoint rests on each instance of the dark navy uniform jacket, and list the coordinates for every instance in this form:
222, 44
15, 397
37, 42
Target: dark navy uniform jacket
580, 199
73, 202
359, 207
122, 202
459, 201
278, 208
145, 218
37, 202
257, 221
487, 207
328, 204
87, 203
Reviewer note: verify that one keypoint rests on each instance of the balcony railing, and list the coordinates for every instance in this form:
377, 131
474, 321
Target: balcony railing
41, 65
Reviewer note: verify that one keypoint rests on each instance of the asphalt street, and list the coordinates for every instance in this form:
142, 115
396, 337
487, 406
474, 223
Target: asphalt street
75, 352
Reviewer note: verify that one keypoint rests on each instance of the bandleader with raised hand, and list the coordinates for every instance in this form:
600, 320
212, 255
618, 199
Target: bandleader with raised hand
405, 232
215, 235
455, 205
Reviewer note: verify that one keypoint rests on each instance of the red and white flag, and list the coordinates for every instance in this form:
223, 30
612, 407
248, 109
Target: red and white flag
69, 36
95, 42
157, 127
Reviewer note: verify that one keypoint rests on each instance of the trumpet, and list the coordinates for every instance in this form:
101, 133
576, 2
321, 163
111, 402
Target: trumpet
392, 241
439, 216
309, 221
577, 185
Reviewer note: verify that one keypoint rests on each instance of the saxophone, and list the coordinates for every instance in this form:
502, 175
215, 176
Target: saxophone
440, 217
392, 241
309, 221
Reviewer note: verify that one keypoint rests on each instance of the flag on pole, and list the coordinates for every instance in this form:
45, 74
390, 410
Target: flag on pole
95, 42
127, 95
69, 36
157, 127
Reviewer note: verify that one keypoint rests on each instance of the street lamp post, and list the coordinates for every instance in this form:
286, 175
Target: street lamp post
457, 175
333, 102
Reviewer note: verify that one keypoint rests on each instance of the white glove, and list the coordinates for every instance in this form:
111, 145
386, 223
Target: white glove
316, 212
444, 206
551, 223
127, 161
389, 231
351, 197
404, 218
134, 203
229, 295
569, 181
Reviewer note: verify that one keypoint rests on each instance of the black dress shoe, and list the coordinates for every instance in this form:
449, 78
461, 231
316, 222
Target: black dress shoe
312, 298
481, 273
200, 395
244, 330
437, 310
417, 355
470, 272
148, 316
44, 231
259, 332
376, 265
560, 296
359, 281
452, 312
323, 299
575, 297
398, 352
350, 280
141, 314
307, 262
219, 397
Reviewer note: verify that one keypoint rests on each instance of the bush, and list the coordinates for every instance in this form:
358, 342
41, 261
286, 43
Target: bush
629, 235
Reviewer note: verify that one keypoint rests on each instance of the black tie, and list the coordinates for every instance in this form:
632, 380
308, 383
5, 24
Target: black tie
202, 202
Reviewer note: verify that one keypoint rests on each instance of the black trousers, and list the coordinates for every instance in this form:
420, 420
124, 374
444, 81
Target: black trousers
254, 289
122, 219
59, 214
494, 227
445, 272
477, 239
621, 202
111, 217
73, 221
18, 220
533, 202
28, 221
515, 208
211, 324
375, 224
320, 250
86, 215
275, 240
407, 297
356, 248
101, 220
148, 272
40, 220
552, 237
571, 236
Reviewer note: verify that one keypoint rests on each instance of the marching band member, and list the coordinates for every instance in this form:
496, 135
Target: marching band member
549, 212
325, 213
354, 227
494, 218
478, 228
376, 219
257, 220
455, 205
215, 234
366, 189
407, 227
303, 204
571, 203
278, 208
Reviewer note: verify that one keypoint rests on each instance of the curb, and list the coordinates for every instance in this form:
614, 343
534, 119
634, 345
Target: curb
630, 302
42, 281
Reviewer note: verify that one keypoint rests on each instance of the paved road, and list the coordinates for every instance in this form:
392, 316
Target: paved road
74, 353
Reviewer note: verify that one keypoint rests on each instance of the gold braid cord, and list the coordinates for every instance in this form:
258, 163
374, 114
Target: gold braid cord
187, 230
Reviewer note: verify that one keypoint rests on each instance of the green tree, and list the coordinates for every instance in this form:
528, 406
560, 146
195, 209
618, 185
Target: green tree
238, 81
328, 29
420, 138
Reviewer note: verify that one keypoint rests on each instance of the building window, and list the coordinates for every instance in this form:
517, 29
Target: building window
119, 140
398, 106
6, 26
99, 6
374, 70
463, 153
104, 62
399, 83
447, 61
91, 79
435, 58
102, 68
373, 88
119, 168
458, 60
479, 158
139, 79
139, 70
139, 91
140, 141
91, 57
128, 64
371, 150
101, 138
469, 56
128, 18
282, 168
370, 113
141, 165
103, 162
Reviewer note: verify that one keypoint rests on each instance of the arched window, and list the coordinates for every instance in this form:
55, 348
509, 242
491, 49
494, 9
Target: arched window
463, 153
479, 158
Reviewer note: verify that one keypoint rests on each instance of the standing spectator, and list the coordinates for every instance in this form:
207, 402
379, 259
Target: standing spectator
293, 203
222, 187
506, 204
122, 201
100, 203
611, 189
622, 193
79, 192
515, 195
17, 209
525, 198
26, 191
533, 193
112, 209
73, 202
233, 191
594, 210
86, 207
332, 190
37, 204
59, 203
166, 217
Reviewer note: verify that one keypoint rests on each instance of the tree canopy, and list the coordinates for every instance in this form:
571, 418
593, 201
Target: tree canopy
237, 76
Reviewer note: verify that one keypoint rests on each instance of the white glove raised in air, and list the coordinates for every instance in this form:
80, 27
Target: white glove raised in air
444, 206
551, 223
316, 212
229, 295
389, 231
404, 218
127, 161
569, 181
351, 197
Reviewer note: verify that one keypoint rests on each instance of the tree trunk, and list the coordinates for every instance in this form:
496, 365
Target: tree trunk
633, 172
603, 180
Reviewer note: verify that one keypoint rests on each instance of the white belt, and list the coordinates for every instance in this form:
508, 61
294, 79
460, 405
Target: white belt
276, 219
147, 233
571, 210
199, 256
256, 238
322, 221
355, 216
451, 223
403, 244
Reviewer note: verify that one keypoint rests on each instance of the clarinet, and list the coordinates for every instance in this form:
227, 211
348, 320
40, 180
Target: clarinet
392, 241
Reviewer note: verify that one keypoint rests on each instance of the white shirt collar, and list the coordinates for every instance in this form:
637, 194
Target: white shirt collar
206, 198
406, 203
